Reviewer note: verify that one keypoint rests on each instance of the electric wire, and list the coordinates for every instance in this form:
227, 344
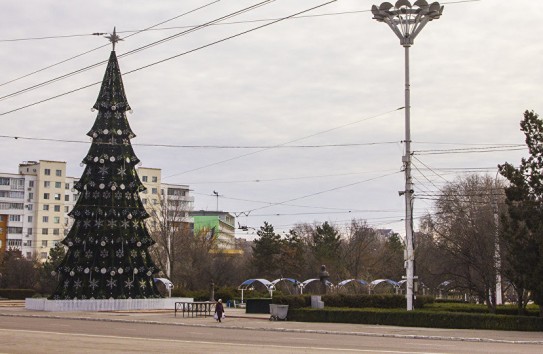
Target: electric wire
105, 45
282, 144
199, 146
169, 58
322, 192
219, 24
64, 76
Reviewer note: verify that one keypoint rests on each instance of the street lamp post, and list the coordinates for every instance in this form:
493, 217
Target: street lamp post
407, 21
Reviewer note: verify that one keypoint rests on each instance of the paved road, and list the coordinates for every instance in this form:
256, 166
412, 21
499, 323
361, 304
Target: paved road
54, 335
23, 331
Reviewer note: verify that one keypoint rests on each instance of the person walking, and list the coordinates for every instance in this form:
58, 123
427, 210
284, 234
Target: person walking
219, 310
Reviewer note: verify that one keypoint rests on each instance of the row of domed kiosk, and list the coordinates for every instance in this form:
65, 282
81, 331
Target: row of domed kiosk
312, 285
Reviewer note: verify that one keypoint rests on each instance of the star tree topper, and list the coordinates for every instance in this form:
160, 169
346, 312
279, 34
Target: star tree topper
114, 38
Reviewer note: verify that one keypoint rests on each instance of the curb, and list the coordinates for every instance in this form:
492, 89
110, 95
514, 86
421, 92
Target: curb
290, 330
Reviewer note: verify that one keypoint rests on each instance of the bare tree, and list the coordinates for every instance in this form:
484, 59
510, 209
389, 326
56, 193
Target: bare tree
464, 228
170, 228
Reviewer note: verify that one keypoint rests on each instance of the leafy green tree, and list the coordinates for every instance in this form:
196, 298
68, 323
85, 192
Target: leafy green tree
522, 234
266, 252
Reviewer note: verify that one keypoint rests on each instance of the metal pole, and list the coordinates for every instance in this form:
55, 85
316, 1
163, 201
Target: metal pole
497, 257
168, 264
409, 256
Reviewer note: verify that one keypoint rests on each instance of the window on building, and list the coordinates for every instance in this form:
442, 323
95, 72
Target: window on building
15, 218
154, 179
154, 190
29, 206
178, 192
30, 218
46, 207
57, 196
67, 198
15, 243
45, 231
29, 231
67, 186
4, 181
18, 183
43, 255
45, 195
58, 173
155, 201
57, 208
12, 194
47, 172
45, 219
56, 232
30, 195
66, 209
31, 183
56, 220
44, 243
58, 184
47, 184
29, 243
144, 179
15, 230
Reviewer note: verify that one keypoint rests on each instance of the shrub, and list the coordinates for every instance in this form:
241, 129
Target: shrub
418, 318
352, 301
293, 301
510, 310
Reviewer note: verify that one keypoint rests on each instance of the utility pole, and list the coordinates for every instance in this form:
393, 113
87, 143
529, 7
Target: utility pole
406, 21
217, 195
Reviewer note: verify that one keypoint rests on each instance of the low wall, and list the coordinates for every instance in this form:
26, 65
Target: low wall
44, 304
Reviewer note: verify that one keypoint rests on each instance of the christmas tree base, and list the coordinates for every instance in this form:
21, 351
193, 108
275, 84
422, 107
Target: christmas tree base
44, 304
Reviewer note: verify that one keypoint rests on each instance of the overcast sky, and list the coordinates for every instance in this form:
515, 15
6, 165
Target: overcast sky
325, 80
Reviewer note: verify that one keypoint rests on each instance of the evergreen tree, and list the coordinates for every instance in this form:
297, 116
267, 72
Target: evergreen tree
266, 251
108, 244
292, 256
46, 281
326, 246
523, 227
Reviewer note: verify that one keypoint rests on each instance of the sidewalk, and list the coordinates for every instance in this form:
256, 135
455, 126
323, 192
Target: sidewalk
238, 319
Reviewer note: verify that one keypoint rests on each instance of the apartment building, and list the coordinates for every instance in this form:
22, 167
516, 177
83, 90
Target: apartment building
34, 206
218, 225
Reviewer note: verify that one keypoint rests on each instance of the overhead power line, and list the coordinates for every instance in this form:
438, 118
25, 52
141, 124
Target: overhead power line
199, 146
282, 144
172, 57
191, 26
136, 50
105, 45
512, 147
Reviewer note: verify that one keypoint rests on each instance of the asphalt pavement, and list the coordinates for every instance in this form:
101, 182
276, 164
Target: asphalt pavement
238, 319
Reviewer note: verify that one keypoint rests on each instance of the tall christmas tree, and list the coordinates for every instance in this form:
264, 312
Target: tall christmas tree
108, 244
